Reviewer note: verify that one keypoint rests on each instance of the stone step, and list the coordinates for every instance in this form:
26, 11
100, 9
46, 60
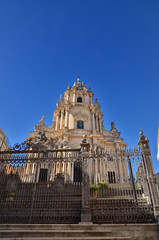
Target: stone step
54, 227
112, 231
57, 232
67, 238
54, 233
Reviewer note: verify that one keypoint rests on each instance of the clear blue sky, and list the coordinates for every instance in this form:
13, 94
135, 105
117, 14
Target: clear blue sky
112, 45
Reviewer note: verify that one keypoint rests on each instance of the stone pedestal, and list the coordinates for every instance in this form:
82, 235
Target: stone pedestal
86, 212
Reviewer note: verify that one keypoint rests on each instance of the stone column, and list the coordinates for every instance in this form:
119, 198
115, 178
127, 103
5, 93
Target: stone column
90, 170
66, 118
34, 188
57, 121
93, 121
104, 169
61, 121
67, 96
54, 170
90, 167
33, 172
57, 168
95, 170
149, 172
74, 97
102, 160
60, 166
122, 162
84, 98
27, 171
63, 167
125, 170
117, 163
51, 171
100, 124
121, 169
97, 124
101, 169
86, 212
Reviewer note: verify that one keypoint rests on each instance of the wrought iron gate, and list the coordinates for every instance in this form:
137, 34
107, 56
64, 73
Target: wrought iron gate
127, 202
40, 187
53, 186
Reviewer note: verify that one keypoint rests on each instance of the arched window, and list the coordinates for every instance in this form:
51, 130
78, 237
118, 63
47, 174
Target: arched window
80, 124
79, 99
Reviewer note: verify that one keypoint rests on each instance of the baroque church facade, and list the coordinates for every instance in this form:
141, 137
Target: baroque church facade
77, 171
75, 116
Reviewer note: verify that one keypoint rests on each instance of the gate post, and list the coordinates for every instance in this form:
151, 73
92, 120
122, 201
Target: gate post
132, 179
86, 212
149, 171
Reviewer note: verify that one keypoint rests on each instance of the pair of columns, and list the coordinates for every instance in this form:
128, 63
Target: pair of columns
99, 169
96, 122
67, 168
122, 170
61, 119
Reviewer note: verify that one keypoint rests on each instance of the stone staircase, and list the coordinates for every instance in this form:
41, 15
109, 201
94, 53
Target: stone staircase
57, 232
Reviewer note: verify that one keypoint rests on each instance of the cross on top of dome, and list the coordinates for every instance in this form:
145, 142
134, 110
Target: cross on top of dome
78, 83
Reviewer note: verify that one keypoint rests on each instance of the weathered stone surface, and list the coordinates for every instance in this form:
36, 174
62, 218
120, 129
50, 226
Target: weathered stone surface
79, 231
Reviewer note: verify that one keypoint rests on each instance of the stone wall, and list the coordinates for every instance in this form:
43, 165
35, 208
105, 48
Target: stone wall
135, 231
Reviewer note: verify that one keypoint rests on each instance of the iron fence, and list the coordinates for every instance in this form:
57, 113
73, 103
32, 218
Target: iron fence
46, 187
40, 187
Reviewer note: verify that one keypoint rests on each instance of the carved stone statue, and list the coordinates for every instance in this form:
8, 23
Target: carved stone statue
85, 140
60, 101
113, 131
41, 137
112, 125
78, 79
